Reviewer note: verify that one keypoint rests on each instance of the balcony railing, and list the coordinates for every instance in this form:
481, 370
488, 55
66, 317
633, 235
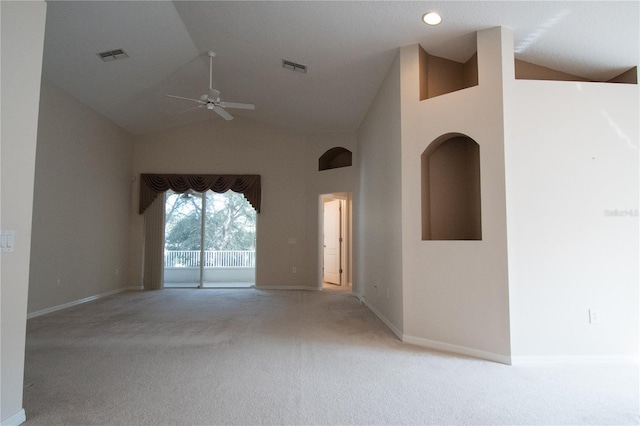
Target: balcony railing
212, 258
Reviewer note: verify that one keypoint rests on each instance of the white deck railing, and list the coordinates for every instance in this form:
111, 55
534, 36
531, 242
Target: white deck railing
212, 259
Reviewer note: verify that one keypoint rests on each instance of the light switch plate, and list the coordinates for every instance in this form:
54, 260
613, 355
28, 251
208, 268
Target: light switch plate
7, 240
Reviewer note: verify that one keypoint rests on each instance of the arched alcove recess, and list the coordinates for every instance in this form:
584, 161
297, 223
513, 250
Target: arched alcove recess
439, 76
334, 158
451, 189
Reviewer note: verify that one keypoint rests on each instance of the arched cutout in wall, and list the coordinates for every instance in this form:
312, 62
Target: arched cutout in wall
451, 189
334, 158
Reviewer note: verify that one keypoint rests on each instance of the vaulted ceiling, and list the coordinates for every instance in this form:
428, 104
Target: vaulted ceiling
347, 46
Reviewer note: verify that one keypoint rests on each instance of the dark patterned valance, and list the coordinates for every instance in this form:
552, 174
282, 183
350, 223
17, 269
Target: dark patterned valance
153, 184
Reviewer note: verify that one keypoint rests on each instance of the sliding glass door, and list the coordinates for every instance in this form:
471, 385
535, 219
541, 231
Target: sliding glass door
209, 240
229, 241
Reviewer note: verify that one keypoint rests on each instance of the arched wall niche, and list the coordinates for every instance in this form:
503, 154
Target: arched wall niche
450, 180
334, 158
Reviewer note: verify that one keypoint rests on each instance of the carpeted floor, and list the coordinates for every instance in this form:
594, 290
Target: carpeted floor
249, 357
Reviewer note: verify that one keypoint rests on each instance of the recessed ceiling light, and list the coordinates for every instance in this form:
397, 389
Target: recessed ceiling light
431, 18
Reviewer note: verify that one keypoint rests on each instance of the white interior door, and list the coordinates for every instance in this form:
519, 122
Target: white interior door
331, 244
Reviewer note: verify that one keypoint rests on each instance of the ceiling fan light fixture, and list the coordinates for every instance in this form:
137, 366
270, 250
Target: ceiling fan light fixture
431, 18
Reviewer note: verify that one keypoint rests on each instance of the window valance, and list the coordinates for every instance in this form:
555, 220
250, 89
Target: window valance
153, 184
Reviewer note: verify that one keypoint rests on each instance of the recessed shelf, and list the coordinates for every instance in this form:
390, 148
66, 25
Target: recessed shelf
334, 158
439, 76
451, 207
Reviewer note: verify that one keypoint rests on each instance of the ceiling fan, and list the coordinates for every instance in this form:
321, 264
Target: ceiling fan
211, 99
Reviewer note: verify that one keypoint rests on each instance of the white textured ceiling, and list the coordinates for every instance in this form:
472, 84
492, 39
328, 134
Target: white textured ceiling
348, 47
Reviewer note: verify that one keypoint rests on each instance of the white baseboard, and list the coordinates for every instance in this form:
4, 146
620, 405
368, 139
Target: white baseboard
574, 359
382, 318
284, 287
460, 350
79, 302
133, 288
15, 420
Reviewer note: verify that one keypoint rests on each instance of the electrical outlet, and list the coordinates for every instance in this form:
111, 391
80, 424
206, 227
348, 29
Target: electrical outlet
594, 316
294, 270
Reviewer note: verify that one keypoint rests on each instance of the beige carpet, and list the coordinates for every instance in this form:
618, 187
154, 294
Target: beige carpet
250, 357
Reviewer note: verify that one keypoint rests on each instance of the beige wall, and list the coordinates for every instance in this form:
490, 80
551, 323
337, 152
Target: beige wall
378, 208
562, 159
22, 25
528, 71
456, 292
629, 77
287, 227
572, 161
82, 201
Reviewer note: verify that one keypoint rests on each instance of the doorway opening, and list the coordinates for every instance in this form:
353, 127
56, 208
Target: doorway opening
209, 240
335, 251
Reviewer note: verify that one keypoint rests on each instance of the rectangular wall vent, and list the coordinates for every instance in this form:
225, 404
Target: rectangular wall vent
293, 66
112, 55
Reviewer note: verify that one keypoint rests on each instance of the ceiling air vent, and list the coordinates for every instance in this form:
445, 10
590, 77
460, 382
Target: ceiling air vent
293, 66
112, 55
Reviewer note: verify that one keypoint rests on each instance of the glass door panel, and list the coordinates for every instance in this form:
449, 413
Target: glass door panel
183, 239
229, 241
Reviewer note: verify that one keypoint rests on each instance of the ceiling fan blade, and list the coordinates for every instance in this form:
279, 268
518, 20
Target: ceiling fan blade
237, 105
222, 113
185, 99
190, 109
